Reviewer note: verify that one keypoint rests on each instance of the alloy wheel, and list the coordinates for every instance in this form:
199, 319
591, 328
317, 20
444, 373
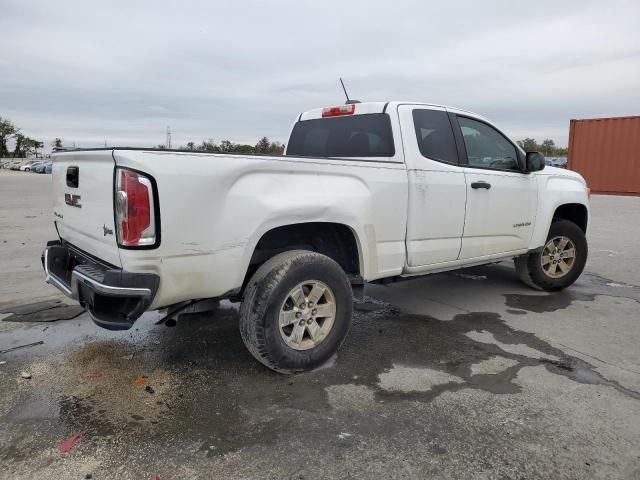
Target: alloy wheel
558, 257
307, 315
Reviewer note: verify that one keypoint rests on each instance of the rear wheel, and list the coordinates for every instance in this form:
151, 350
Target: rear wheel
296, 311
561, 260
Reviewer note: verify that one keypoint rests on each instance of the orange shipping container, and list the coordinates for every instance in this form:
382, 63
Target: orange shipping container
606, 152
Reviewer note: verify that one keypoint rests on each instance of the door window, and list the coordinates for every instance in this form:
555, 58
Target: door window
486, 147
434, 135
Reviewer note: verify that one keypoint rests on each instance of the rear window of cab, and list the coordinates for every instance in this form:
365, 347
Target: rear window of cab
366, 135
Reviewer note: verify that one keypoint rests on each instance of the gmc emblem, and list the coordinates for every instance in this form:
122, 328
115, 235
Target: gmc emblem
72, 200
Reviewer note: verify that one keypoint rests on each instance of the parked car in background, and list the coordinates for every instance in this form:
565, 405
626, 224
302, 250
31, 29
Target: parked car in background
48, 168
560, 162
28, 166
34, 167
39, 168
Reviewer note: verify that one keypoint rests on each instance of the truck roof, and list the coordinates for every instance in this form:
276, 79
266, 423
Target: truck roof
379, 107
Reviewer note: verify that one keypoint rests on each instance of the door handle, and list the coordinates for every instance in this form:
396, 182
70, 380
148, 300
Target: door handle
481, 185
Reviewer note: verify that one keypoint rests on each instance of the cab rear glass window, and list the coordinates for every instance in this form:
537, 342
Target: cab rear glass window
367, 135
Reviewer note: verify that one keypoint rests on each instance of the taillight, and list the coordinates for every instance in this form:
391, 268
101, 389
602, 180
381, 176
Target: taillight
338, 111
135, 210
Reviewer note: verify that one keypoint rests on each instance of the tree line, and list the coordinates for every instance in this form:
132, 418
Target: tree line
264, 146
23, 145
548, 147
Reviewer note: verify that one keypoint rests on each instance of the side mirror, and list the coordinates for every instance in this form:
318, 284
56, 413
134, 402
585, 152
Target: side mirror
535, 161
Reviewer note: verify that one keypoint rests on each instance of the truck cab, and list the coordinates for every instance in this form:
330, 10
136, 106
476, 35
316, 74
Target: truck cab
471, 195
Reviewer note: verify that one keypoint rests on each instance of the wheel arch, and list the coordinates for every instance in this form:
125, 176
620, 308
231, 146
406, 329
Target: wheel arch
573, 212
574, 209
336, 240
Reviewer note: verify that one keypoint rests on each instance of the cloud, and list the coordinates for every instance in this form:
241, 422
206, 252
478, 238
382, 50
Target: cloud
122, 71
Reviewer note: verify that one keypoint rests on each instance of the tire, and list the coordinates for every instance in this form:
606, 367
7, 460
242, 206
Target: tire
522, 269
268, 299
530, 267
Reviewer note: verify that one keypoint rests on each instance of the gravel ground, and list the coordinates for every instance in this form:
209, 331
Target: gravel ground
459, 375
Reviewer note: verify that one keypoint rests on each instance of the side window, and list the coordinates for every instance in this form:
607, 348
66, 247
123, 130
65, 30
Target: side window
486, 147
435, 135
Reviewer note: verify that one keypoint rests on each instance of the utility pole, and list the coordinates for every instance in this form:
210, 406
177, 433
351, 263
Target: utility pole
168, 141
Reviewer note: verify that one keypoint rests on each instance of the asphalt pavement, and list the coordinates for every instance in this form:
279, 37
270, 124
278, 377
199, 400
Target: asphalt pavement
465, 374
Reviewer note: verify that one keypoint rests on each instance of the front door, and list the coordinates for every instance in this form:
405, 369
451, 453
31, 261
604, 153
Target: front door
501, 199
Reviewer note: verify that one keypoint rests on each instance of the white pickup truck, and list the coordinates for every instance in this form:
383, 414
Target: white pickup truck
366, 192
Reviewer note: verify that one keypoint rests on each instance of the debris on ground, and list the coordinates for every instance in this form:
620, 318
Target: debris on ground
93, 375
22, 346
149, 389
140, 382
562, 363
470, 277
619, 285
25, 375
69, 443
48, 311
31, 307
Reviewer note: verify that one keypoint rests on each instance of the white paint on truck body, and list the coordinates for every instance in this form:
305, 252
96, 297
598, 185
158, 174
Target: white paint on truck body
211, 221
87, 224
410, 214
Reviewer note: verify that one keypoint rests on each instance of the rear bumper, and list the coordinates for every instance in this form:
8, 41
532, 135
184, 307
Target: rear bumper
115, 299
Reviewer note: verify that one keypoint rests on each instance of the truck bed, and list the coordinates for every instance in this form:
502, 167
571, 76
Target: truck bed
213, 209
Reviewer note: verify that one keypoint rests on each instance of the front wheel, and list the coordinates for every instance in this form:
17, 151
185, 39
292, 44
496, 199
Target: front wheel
561, 260
296, 311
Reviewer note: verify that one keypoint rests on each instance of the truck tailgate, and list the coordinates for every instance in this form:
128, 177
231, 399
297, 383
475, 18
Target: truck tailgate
83, 202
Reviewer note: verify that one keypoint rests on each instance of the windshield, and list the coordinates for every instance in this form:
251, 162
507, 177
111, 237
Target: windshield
367, 135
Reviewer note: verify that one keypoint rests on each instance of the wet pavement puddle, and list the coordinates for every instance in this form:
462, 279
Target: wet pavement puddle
587, 289
204, 386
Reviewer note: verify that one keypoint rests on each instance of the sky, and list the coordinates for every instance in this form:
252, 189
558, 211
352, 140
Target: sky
120, 72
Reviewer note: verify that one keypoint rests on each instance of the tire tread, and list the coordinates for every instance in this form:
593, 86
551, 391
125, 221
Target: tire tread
255, 302
529, 269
